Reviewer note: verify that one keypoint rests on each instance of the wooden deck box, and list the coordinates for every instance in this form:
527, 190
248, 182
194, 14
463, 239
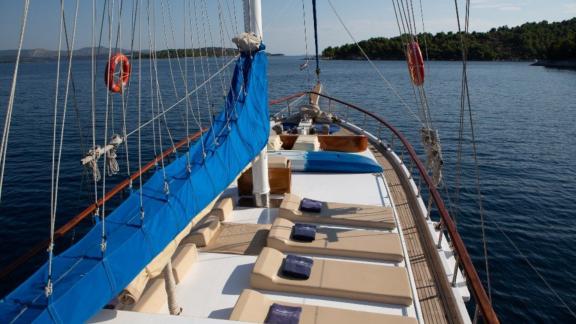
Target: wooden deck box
280, 179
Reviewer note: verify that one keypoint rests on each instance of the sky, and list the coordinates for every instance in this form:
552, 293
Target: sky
282, 20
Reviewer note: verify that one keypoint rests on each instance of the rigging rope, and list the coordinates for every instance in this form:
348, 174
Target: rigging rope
103, 214
316, 40
525, 258
380, 74
139, 103
48, 289
196, 95
95, 168
158, 96
56, 181
209, 27
207, 90
10, 108
73, 84
150, 64
466, 99
184, 98
305, 65
188, 105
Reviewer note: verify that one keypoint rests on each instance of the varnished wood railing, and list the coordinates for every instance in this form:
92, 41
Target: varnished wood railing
71, 224
463, 258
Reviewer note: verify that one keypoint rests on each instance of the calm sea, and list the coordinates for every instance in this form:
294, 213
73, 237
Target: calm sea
525, 121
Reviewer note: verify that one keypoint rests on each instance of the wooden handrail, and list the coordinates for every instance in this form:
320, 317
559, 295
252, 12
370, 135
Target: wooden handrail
41, 246
482, 300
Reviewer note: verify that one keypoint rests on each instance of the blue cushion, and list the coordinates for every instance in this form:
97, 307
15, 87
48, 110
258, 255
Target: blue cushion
281, 314
333, 128
297, 267
310, 205
303, 232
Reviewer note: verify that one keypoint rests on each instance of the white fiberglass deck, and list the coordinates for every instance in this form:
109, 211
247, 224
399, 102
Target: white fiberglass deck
213, 285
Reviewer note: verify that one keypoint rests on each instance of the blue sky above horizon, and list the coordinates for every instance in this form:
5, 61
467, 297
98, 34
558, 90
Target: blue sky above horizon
282, 19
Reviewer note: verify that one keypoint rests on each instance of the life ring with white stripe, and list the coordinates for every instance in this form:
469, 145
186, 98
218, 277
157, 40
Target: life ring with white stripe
415, 63
117, 85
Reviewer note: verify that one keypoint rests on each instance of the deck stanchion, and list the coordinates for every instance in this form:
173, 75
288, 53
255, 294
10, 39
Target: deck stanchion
419, 184
455, 273
476, 314
429, 209
440, 235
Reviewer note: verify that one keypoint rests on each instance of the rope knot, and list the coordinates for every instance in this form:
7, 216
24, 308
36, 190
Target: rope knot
166, 188
103, 244
111, 162
49, 288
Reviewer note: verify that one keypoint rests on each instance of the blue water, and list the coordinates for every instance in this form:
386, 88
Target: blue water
524, 119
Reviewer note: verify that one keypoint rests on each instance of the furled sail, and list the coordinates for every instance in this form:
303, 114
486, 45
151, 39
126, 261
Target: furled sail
85, 278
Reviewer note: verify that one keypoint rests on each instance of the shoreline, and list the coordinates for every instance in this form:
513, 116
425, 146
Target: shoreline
557, 64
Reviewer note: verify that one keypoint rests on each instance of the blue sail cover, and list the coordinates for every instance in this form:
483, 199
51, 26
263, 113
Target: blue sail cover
84, 279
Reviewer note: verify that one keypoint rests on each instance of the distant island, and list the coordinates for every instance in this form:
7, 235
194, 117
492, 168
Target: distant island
196, 52
193, 52
41, 55
548, 42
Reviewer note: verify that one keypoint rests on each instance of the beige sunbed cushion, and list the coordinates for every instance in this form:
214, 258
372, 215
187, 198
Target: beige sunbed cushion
204, 232
223, 209
154, 297
338, 214
132, 293
253, 306
331, 278
184, 257
338, 242
242, 239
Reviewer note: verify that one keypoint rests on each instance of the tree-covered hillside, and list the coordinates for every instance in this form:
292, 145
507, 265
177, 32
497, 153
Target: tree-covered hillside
196, 52
543, 40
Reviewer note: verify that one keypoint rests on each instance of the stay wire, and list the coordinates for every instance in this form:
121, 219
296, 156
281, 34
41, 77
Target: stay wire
48, 287
466, 93
380, 74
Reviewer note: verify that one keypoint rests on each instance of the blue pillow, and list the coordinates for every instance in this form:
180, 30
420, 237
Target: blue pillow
297, 267
310, 205
281, 314
304, 232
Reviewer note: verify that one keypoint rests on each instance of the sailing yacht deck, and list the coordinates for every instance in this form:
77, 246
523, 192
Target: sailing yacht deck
216, 280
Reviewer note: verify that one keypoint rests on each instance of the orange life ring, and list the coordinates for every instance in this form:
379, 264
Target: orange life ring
122, 81
415, 63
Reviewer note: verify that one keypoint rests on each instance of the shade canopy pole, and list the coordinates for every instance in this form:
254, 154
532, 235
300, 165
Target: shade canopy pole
261, 186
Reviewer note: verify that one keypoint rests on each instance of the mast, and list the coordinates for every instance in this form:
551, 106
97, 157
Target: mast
316, 40
253, 17
261, 186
